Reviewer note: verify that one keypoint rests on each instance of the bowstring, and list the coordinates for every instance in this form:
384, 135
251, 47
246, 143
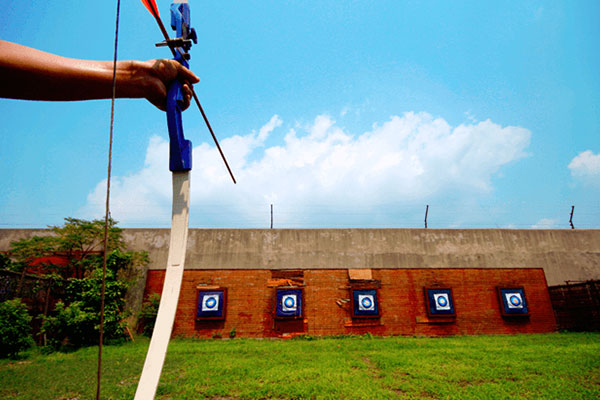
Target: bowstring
107, 213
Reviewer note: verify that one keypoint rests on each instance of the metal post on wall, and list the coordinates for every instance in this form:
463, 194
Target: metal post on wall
571, 219
426, 212
271, 216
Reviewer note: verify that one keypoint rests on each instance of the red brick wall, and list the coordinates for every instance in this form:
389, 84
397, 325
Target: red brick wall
251, 303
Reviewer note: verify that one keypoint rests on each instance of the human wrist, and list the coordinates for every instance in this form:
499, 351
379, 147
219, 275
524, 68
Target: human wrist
133, 79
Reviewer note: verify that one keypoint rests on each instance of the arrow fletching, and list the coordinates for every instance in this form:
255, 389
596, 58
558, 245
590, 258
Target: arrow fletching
151, 6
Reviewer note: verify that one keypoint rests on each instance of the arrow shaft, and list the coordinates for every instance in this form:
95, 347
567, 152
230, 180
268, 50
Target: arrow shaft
213, 134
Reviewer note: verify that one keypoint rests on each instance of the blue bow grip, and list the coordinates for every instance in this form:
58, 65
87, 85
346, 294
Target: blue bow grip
180, 149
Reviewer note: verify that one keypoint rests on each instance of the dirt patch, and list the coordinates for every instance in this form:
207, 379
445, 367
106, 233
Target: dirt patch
373, 370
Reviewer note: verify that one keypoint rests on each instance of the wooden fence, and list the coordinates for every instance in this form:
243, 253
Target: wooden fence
577, 305
37, 292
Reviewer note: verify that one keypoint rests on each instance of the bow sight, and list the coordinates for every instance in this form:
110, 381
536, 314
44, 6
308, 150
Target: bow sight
180, 22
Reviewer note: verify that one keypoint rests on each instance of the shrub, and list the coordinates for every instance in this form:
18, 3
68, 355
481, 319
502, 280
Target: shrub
77, 322
15, 331
147, 315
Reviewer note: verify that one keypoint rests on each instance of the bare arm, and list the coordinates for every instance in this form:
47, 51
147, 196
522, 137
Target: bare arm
31, 74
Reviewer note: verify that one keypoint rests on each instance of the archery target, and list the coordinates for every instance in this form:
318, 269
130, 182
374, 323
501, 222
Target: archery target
514, 300
210, 302
289, 302
441, 301
366, 302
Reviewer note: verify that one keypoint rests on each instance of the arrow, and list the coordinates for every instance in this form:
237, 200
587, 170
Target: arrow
151, 6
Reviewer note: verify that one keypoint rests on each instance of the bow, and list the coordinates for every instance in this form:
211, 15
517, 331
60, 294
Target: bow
180, 164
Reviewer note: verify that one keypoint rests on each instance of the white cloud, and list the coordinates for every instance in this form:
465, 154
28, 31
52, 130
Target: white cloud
545, 223
407, 157
586, 165
266, 130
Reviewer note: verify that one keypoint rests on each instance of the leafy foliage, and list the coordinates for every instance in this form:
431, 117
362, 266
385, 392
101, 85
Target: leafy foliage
78, 244
147, 315
15, 331
80, 241
5, 261
75, 321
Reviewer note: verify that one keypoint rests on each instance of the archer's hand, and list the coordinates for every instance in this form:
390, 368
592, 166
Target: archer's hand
157, 75
31, 74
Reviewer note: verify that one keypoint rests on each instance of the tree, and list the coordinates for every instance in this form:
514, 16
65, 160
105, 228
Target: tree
75, 320
79, 241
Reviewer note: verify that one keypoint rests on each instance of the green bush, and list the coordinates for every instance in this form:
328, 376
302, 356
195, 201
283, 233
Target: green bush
15, 331
147, 315
76, 321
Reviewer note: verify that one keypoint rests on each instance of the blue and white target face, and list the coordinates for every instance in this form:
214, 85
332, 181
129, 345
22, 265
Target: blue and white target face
366, 302
289, 302
442, 301
210, 302
514, 300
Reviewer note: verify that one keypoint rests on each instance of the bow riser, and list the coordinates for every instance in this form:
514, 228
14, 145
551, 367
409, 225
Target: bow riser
180, 149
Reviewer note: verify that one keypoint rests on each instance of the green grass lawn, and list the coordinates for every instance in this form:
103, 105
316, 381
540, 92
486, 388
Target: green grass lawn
551, 366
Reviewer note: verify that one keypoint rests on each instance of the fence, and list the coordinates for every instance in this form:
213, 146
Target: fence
37, 292
577, 305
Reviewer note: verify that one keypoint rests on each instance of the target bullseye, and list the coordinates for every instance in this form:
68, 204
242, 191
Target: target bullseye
366, 302
514, 300
210, 302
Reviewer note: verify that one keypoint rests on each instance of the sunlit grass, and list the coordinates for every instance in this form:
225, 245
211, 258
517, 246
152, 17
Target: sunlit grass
552, 366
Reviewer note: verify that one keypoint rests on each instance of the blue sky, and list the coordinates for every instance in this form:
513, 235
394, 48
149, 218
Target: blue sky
340, 113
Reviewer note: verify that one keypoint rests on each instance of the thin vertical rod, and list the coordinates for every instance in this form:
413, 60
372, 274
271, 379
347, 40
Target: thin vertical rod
106, 215
426, 212
571, 219
271, 216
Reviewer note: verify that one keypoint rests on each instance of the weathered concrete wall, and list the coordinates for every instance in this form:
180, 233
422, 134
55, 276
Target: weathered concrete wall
563, 254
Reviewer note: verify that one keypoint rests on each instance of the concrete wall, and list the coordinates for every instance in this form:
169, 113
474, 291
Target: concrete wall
562, 254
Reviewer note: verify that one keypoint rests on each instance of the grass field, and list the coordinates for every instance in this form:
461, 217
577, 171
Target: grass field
552, 366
